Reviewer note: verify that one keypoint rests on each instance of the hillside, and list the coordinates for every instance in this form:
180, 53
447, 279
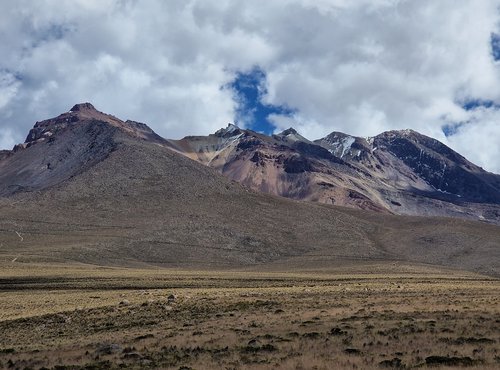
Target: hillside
396, 172
117, 194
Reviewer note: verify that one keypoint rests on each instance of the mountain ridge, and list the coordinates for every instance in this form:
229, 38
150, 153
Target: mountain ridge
400, 172
113, 197
395, 172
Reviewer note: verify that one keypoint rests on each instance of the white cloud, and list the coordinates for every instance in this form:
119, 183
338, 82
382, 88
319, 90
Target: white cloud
7, 138
9, 86
361, 67
478, 138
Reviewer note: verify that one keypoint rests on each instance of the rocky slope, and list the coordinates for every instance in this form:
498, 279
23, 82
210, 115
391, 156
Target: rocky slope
117, 194
398, 172
60, 148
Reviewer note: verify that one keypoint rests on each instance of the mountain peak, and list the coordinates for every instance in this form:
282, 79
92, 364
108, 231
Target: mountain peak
230, 130
289, 131
407, 132
335, 136
290, 136
79, 114
82, 107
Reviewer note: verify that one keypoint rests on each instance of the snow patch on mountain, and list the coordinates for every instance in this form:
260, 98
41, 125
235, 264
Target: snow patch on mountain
346, 145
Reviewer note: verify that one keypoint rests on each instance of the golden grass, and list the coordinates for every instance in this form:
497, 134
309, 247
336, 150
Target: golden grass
87, 317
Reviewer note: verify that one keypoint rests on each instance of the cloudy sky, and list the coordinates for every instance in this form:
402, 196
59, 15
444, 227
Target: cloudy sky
190, 67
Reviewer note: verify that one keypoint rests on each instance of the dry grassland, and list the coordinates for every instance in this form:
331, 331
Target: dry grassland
92, 318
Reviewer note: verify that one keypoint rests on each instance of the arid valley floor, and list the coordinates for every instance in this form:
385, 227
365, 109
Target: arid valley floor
371, 316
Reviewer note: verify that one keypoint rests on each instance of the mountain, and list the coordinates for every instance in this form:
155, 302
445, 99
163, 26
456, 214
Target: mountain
440, 168
63, 147
87, 187
396, 172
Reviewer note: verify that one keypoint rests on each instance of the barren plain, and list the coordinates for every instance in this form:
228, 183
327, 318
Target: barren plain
367, 316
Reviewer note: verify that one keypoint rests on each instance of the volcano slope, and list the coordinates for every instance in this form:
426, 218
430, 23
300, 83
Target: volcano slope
87, 187
396, 172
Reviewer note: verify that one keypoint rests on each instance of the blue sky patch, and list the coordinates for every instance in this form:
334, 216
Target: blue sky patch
495, 46
249, 89
49, 33
451, 129
472, 104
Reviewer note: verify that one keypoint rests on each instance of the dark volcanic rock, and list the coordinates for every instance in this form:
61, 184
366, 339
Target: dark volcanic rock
81, 107
289, 131
258, 158
248, 143
5, 154
441, 167
230, 131
315, 151
144, 131
297, 164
